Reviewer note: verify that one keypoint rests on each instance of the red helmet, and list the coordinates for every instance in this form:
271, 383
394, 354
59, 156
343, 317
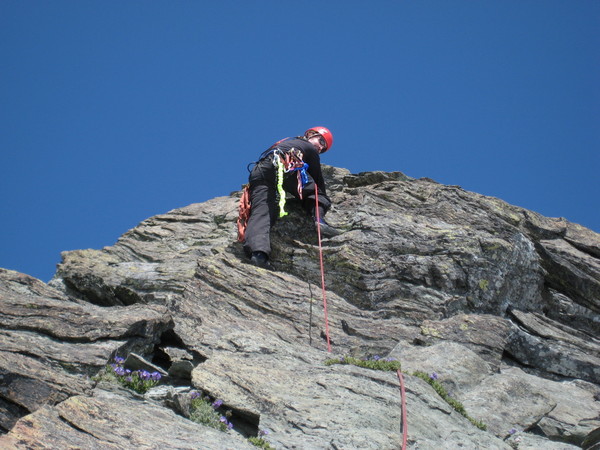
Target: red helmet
323, 132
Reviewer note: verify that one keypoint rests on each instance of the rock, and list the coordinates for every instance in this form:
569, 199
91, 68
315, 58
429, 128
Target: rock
180, 362
164, 392
456, 367
50, 346
540, 342
136, 362
563, 411
175, 398
302, 400
528, 441
107, 420
592, 440
370, 178
500, 302
572, 271
156, 258
485, 334
28, 384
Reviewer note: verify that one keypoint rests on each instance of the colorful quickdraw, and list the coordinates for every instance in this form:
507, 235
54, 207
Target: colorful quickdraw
280, 171
286, 162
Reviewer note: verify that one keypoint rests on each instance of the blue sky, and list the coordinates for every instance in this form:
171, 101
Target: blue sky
115, 111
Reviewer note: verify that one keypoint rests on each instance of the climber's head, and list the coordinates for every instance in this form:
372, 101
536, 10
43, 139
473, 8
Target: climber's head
320, 137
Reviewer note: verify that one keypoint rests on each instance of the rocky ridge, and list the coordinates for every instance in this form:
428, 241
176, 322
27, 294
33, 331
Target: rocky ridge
500, 303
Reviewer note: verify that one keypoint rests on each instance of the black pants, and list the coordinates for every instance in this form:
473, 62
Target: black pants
264, 208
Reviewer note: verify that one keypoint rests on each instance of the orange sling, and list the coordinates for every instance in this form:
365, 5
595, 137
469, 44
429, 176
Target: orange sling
244, 213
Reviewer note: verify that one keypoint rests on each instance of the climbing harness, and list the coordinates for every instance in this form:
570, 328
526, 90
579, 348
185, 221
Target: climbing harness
322, 268
244, 213
284, 161
267, 152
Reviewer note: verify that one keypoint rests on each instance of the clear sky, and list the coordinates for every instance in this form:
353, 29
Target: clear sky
115, 111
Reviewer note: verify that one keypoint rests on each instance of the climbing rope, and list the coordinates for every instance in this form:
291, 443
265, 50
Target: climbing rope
404, 415
322, 268
398, 372
404, 419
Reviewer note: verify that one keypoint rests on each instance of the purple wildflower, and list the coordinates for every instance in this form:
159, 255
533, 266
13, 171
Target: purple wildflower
376, 358
512, 431
119, 360
229, 425
217, 403
223, 419
144, 375
433, 376
155, 376
119, 371
129, 379
194, 395
264, 432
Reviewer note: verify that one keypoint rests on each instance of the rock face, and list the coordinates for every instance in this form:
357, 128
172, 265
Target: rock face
500, 303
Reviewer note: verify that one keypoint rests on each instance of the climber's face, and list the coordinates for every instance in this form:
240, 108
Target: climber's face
319, 142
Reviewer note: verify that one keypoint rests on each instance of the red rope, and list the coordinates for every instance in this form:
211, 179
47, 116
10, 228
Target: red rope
400, 377
322, 269
404, 418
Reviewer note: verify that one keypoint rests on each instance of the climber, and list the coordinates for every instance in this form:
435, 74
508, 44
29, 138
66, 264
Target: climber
291, 165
